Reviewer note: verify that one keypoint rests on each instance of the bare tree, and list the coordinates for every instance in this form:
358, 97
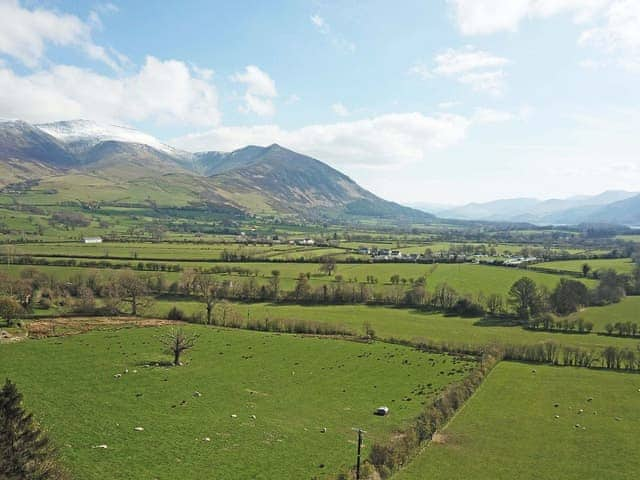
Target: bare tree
207, 289
176, 342
132, 290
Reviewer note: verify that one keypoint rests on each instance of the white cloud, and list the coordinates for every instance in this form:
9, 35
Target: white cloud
386, 140
481, 70
449, 105
336, 40
161, 91
293, 98
261, 90
479, 17
488, 115
463, 60
618, 34
25, 34
420, 69
611, 26
340, 110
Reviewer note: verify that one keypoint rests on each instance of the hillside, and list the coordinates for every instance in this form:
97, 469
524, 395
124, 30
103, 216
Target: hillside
68, 159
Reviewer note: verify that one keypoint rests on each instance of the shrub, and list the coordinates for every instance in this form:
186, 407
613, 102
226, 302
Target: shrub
175, 314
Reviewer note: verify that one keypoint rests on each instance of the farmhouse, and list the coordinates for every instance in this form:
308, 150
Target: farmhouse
92, 239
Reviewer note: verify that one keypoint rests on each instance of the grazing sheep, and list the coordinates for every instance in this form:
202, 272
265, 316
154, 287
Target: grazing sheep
117, 375
233, 415
138, 429
323, 430
197, 394
100, 446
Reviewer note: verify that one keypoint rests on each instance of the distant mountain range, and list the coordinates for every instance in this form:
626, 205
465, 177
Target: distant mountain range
613, 206
86, 161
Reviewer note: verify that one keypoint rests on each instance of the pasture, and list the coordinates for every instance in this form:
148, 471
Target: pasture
407, 324
295, 386
620, 265
509, 430
465, 278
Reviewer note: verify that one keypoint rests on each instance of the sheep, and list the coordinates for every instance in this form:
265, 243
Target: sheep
138, 429
100, 446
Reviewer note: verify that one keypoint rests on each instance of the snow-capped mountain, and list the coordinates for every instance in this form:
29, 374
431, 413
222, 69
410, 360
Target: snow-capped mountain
81, 135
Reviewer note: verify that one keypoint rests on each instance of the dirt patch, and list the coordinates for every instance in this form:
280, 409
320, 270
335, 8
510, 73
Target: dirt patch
63, 326
439, 438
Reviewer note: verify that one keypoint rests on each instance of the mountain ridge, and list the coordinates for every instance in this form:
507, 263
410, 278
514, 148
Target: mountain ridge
255, 179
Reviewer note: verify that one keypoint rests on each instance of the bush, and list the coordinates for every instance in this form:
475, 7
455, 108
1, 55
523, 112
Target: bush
175, 314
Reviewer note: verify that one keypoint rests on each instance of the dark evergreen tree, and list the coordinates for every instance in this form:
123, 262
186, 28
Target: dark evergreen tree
25, 451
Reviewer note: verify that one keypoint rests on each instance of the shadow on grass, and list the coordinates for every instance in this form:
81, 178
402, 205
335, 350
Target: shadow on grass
497, 322
154, 363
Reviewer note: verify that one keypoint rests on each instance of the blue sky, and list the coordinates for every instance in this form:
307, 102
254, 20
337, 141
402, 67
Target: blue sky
419, 101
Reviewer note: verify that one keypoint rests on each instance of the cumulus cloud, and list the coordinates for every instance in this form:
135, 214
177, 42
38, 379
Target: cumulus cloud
338, 41
611, 26
478, 17
261, 90
340, 110
25, 34
161, 91
381, 141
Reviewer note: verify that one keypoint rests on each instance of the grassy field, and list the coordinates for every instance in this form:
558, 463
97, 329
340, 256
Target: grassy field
628, 310
466, 278
408, 324
621, 265
295, 386
509, 429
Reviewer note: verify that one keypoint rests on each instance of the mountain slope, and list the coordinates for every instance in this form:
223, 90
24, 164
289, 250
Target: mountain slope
26, 143
296, 183
119, 164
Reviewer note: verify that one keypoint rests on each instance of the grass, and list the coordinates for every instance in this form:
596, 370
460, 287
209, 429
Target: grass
408, 324
508, 430
628, 310
295, 386
621, 265
465, 278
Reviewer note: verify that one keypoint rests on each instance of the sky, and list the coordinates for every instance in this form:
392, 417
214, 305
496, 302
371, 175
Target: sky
432, 101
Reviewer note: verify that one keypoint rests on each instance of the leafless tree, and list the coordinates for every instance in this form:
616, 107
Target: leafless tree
177, 341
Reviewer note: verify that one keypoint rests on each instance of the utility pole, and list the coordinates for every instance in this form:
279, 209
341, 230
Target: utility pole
360, 432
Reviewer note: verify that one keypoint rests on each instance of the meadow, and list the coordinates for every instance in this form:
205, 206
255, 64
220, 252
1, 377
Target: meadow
295, 386
412, 324
511, 428
620, 265
465, 278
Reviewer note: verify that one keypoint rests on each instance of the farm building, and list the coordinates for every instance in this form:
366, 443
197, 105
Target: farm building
92, 239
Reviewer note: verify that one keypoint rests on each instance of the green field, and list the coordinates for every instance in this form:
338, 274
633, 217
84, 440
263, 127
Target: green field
295, 386
466, 278
408, 324
621, 265
508, 430
628, 310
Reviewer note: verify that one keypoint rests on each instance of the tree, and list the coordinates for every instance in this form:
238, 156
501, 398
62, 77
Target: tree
176, 342
586, 268
207, 289
274, 284
9, 309
569, 296
132, 290
302, 288
525, 298
25, 451
610, 288
495, 304
328, 265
